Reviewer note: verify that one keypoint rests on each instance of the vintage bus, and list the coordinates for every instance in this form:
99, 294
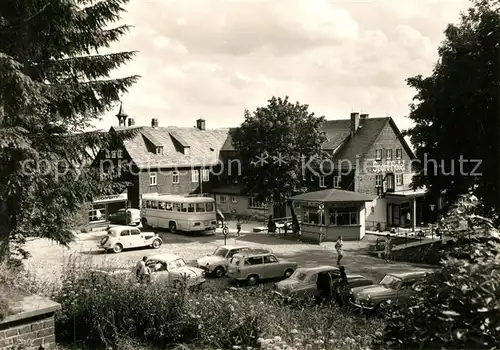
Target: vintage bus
178, 213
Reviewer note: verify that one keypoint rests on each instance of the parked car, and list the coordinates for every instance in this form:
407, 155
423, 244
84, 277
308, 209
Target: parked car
124, 216
218, 262
173, 270
125, 237
393, 287
258, 264
305, 283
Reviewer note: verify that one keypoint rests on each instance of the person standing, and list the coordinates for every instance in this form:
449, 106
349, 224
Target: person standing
271, 225
141, 269
339, 248
342, 288
238, 227
388, 247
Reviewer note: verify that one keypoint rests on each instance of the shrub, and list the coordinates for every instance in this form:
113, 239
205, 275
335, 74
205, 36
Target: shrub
115, 312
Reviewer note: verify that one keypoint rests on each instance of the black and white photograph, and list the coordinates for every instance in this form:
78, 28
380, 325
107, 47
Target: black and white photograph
249, 174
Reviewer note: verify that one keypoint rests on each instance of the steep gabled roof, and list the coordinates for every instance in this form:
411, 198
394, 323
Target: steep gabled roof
205, 146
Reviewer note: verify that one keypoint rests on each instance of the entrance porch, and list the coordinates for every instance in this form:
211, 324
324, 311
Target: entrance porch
404, 208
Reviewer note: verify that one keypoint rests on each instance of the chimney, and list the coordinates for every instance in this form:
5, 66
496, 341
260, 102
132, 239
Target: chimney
154, 123
200, 124
354, 122
131, 122
364, 116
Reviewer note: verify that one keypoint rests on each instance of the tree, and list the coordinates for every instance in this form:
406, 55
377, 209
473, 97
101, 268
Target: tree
272, 144
455, 110
457, 306
54, 84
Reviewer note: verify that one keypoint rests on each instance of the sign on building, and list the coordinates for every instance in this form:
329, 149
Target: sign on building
394, 166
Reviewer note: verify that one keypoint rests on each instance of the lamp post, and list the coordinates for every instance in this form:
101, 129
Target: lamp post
432, 206
321, 211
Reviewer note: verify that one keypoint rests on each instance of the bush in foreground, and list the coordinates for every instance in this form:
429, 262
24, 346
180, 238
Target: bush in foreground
111, 311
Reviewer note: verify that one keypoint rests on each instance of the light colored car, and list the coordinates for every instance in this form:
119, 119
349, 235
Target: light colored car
125, 237
258, 264
393, 287
217, 263
303, 284
173, 270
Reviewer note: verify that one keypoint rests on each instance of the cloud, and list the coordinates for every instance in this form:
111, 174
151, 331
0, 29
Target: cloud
216, 58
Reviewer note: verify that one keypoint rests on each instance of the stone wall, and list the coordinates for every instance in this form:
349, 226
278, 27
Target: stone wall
32, 323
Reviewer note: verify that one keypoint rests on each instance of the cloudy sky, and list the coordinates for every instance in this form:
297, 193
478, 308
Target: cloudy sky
213, 58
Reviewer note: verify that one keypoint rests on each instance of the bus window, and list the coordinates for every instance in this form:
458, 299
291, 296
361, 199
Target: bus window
161, 205
209, 206
191, 207
200, 207
148, 204
176, 207
168, 206
154, 205
144, 204
184, 207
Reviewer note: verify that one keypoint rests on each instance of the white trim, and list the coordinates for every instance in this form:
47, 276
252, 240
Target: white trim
195, 176
175, 173
153, 179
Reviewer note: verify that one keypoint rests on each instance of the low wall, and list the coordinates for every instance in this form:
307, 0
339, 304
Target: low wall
32, 324
331, 233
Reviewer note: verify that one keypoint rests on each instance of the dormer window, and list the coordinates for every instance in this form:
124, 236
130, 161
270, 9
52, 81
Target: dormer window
187, 150
159, 150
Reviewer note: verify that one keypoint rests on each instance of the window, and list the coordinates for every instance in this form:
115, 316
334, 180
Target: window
399, 153
125, 233
152, 179
184, 207
200, 207
209, 207
190, 207
113, 154
148, 204
344, 216
336, 181
161, 205
390, 181
154, 205
252, 203
388, 153
195, 176
168, 206
205, 175
234, 199
97, 213
378, 154
119, 153
107, 154
135, 232
223, 199
313, 217
159, 150
269, 259
378, 180
322, 181
399, 179
175, 177
176, 207
254, 261
372, 210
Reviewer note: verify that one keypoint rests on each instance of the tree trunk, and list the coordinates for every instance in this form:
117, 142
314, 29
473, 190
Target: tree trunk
5, 230
295, 220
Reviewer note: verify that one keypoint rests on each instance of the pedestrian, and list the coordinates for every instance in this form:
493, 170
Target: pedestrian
388, 247
271, 225
342, 288
238, 227
220, 217
141, 269
338, 246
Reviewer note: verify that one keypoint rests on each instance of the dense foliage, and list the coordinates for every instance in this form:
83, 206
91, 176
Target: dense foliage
455, 110
457, 307
54, 84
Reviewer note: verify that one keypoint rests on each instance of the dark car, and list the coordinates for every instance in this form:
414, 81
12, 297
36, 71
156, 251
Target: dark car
125, 217
393, 287
304, 284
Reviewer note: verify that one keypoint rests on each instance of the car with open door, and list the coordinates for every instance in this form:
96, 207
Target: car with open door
173, 271
119, 238
315, 283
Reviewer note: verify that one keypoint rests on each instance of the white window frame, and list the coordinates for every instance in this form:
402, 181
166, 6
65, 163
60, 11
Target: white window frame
195, 176
379, 180
223, 198
113, 154
399, 153
253, 204
388, 154
322, 181
119, 154
153, 179
336, 181
378, 154
205, 175
175, 177
399, 179
159, 150
234, 199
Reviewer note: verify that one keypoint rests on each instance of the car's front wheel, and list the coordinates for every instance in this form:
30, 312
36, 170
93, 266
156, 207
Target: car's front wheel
253, 280
117, 248
219, 271
156, 244
288, 273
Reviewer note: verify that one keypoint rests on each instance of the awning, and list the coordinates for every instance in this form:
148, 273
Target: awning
333, 196
112, 199
421, 192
